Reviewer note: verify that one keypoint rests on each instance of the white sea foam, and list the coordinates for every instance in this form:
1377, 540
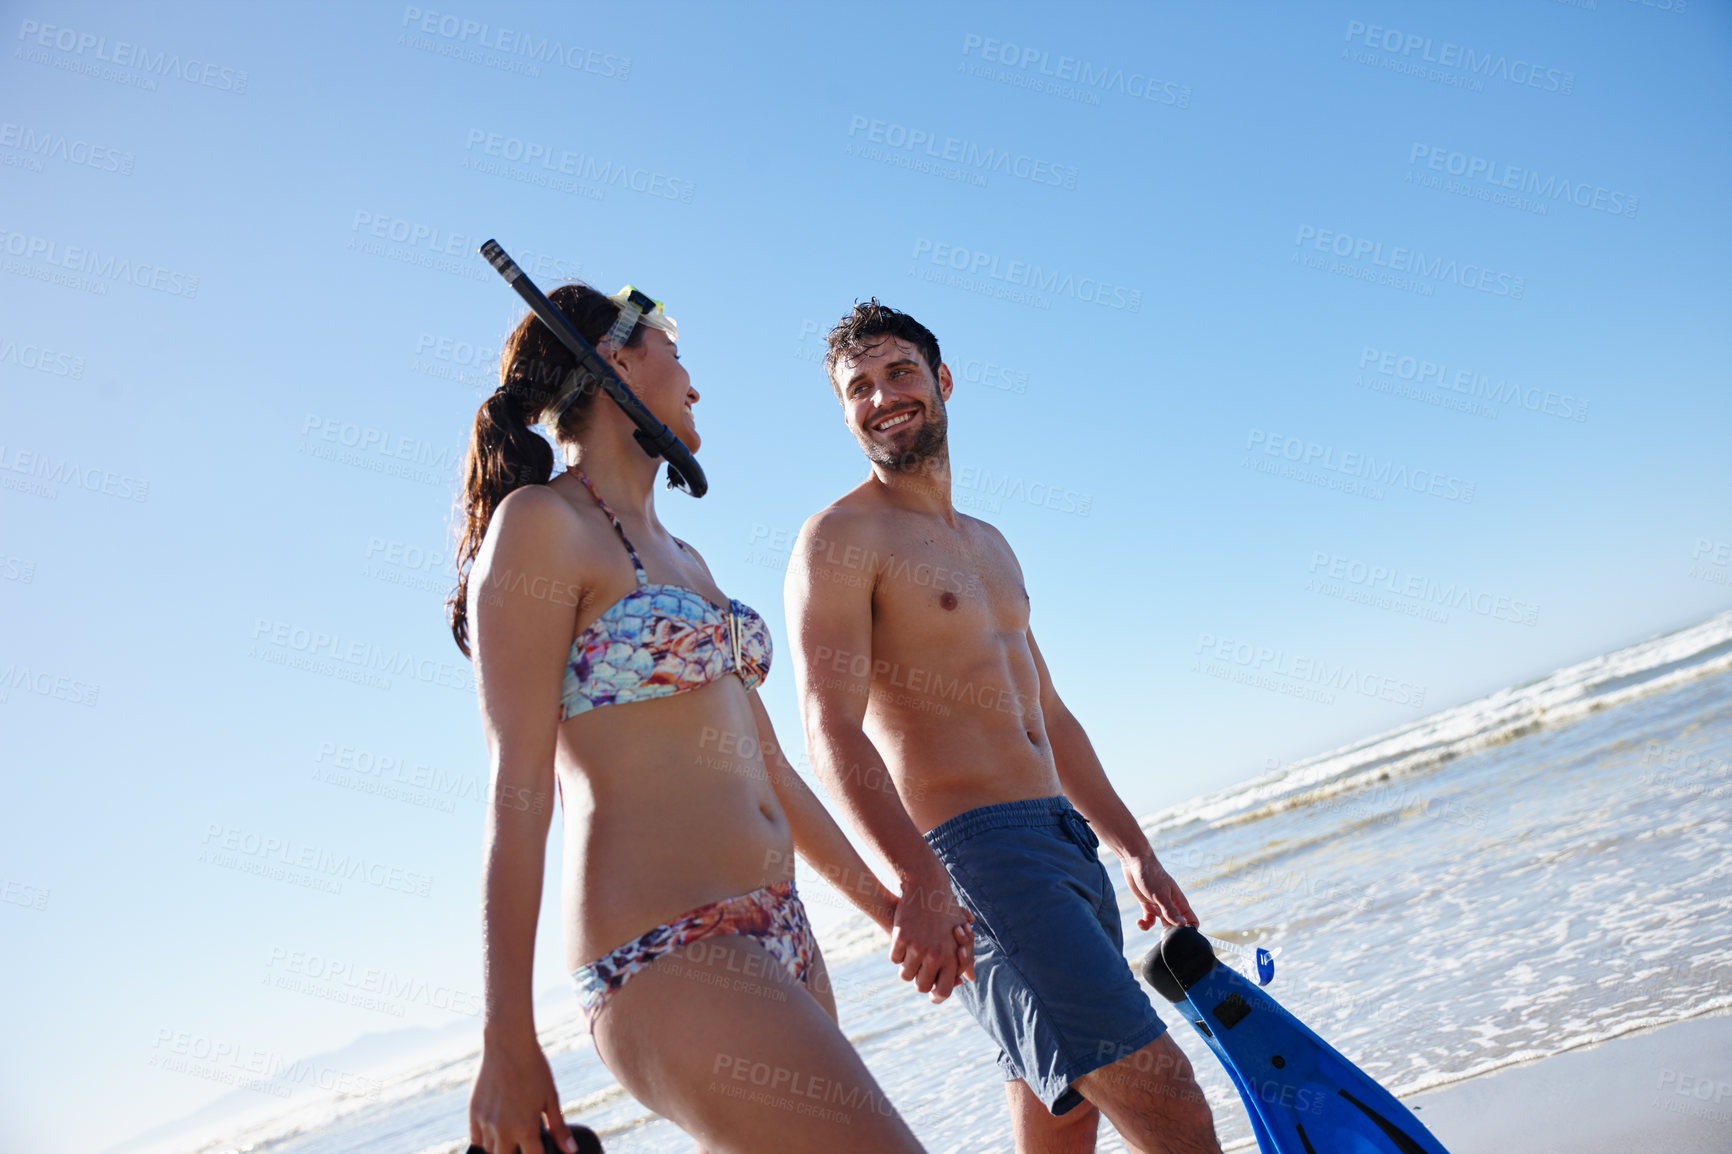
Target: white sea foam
1558, 699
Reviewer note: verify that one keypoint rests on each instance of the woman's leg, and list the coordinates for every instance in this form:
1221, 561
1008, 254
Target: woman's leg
818, 984
719, 1039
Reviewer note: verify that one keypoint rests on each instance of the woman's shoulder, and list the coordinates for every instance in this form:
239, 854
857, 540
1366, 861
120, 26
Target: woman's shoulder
531, 502
539, 521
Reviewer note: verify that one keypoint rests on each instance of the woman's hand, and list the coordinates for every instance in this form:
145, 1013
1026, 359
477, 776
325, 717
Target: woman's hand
883, 911
965, 948
884, 914
514, 1096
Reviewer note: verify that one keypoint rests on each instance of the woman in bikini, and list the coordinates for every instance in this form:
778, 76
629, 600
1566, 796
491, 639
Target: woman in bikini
613, 671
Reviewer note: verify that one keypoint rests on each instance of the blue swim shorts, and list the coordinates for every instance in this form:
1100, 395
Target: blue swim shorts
1053, 988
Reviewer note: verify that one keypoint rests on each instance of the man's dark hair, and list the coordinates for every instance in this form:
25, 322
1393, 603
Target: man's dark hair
867, 324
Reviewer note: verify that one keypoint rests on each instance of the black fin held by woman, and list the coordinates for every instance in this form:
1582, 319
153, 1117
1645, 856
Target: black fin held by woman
587, 1142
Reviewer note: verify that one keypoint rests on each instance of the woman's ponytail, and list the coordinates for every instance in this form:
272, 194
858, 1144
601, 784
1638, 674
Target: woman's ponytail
505, 453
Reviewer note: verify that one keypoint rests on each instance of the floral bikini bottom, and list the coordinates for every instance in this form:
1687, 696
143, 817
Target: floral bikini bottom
773, 916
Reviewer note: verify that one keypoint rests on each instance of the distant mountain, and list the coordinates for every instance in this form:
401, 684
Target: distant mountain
371, 1059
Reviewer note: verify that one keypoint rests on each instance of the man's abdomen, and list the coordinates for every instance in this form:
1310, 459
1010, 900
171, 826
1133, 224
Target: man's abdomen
944, 763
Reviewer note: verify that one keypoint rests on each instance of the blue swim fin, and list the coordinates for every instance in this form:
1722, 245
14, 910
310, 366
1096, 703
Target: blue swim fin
1302, 1095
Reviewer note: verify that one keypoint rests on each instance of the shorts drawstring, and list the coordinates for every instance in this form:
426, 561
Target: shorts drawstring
1080, 831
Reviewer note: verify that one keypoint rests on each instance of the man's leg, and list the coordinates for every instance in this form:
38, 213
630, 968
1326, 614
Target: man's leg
1153, 1099
1038, 1131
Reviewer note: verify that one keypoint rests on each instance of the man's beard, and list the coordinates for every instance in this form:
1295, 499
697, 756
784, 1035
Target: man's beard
928, 442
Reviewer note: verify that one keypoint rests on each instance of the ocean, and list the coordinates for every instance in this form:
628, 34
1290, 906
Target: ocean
1544, 868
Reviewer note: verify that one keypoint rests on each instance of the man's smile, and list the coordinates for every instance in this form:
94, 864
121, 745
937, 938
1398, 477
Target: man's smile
895, 420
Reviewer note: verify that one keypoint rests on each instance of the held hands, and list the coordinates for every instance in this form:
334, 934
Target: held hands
931, 936
514, 1096
1160, 894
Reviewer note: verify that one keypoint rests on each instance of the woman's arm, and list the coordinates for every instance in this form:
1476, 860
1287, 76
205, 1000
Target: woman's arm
817, 837
819, 840
520, 643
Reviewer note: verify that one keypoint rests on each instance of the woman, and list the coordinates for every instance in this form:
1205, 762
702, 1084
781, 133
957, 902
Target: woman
611, 668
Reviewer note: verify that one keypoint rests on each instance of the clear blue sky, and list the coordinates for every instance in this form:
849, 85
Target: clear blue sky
1243, 306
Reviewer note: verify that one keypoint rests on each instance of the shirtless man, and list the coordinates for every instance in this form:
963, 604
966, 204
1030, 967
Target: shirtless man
915, 666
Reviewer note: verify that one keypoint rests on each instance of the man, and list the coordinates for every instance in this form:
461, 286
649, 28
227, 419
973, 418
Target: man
916, 667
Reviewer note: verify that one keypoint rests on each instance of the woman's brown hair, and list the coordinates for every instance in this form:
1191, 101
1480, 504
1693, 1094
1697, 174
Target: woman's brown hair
504, 452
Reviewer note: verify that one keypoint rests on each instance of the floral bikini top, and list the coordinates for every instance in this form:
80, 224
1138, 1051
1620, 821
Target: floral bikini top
659, 640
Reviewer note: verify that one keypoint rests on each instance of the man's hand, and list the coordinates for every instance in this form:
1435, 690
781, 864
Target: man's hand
930, 936
1160, 894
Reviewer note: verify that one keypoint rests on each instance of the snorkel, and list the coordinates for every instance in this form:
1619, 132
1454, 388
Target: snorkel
592, 371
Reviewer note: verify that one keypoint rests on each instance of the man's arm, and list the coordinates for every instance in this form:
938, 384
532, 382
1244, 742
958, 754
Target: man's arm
1085, 782
830, 624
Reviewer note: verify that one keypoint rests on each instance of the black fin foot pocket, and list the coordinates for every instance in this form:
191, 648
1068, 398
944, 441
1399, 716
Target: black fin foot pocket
1183, 959
587, 1142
